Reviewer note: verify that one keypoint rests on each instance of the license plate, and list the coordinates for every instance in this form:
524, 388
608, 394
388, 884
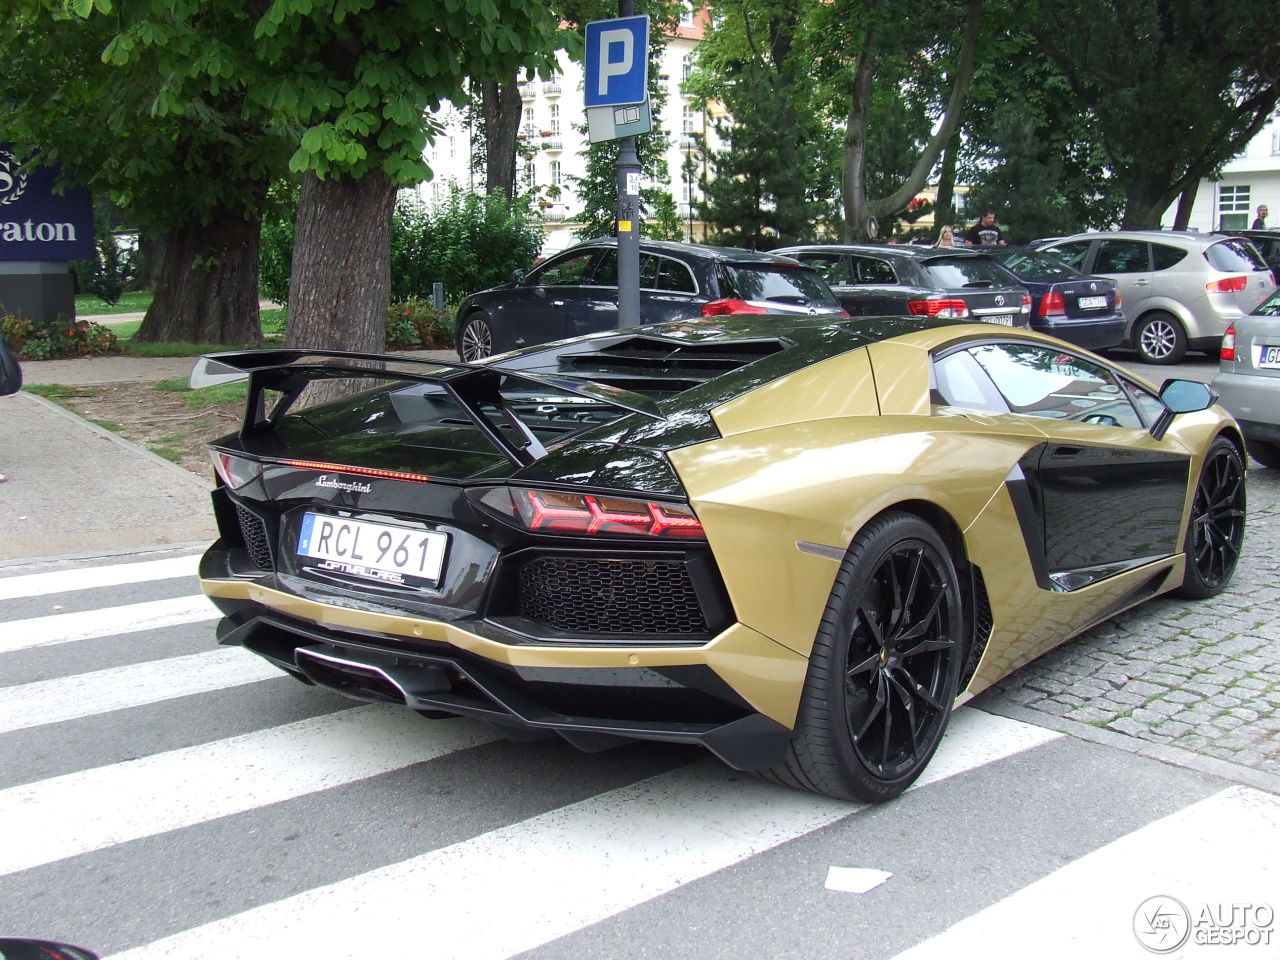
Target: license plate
375, 551
1005, 318
1269, 356
1092, 303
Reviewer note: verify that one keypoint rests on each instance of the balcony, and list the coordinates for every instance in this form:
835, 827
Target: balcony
551, 88
527, 91
552, 144
689, 141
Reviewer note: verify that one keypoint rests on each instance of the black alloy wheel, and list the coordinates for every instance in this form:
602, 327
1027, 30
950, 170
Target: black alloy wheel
884, 667
1215, 532
1159, 338
475, 342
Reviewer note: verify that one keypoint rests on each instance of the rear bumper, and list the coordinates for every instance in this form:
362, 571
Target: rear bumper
736, 695
1090, 334
1254, 401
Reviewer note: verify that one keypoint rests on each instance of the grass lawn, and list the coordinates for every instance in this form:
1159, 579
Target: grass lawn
272, 329
89, 305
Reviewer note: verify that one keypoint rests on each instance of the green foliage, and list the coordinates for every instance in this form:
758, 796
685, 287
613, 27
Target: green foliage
57, 339
111, 271
467, 242
416, 324
275, 255
60, 391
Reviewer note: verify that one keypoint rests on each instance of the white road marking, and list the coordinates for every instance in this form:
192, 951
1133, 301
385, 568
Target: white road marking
117, 688
1086, 909
86, 578
855, 879
89, 624
80, 812
562, 870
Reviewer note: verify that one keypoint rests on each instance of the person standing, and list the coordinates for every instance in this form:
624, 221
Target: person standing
1261, 222
985, 233
946, 236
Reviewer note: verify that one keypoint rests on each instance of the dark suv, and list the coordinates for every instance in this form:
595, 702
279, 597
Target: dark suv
576, 292
873, 281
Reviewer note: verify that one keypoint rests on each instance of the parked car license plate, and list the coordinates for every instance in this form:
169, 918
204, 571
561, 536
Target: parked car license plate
1092, 303
1268, 356
1005, 318
375, 551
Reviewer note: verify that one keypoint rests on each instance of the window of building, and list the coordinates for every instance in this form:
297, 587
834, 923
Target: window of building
555, 173
528, 131
530, 174
689, 120
686, 14
686, 66
554, 113
1233, 206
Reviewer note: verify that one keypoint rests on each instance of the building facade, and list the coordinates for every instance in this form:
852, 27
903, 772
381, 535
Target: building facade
1249, 180
553, 134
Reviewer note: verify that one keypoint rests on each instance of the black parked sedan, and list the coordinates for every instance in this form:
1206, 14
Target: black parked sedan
1066, 303
890, 280
576, 292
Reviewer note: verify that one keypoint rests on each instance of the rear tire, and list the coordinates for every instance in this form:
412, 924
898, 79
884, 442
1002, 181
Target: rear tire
884, 667
1215, 531
1159, 338
1267, 454
475, 339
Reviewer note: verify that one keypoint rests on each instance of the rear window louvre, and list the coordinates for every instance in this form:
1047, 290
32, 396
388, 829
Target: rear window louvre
652, 366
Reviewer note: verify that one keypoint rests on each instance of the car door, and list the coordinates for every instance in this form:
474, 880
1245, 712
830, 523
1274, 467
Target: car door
668, 290
834, 268
539, 309
1128, 263
1100, 494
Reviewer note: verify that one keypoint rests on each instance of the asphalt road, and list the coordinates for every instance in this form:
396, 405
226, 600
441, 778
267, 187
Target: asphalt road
164, 797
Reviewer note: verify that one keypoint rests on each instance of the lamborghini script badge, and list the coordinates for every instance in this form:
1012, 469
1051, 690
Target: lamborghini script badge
347, 486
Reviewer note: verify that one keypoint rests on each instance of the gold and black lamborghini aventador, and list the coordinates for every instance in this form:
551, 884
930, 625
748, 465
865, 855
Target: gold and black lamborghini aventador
797, 542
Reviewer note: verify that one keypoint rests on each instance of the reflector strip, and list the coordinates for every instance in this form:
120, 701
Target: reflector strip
359, 471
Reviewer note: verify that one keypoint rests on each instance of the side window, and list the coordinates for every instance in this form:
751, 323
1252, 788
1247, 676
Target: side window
606, 274
871, 270
1122, 256
566, 270
675, 277
649, 265
834, 267
1073, 253
1044, 382
1166, 256
958, 381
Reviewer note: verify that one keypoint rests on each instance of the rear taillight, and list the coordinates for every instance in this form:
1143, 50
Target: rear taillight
1227, 285
1054, 304
938, 308
1026, 303
1229, 343
235, 471
727, 306
554, 511
1119, 302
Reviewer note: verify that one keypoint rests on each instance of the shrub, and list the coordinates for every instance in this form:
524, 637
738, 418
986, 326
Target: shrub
415, 324
108, 274
55, 339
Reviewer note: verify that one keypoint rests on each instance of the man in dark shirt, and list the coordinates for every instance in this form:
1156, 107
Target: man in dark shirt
985, 233
1261, 222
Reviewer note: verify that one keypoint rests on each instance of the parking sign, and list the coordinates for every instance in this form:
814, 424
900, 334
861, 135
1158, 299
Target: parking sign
617, 62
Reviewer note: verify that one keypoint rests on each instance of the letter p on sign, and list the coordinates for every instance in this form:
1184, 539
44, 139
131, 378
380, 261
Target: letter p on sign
617, 62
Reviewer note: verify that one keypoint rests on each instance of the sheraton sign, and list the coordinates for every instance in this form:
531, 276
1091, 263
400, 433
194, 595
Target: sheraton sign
37, 224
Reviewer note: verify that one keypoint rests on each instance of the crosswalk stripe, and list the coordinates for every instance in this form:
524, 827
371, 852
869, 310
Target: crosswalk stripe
1088, 907
80, 812
523, 885
88, 624
87, 578
117, 688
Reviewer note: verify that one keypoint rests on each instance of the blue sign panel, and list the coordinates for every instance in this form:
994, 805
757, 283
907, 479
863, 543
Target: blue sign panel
35, 222
617, 62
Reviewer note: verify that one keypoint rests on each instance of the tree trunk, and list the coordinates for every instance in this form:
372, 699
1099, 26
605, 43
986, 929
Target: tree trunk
502, 109
207, 283
852, 174
944, 207
341, 279
1185, 203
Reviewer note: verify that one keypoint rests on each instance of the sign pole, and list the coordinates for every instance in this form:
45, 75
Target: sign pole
628, 167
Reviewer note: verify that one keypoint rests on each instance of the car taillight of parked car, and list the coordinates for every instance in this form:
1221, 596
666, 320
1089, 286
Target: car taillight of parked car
727, 306
1227, 285
955, 309
1054, 304
1229, 343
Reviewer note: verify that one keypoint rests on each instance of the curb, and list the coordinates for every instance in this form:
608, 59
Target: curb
116, 438
138, 553
1174, 756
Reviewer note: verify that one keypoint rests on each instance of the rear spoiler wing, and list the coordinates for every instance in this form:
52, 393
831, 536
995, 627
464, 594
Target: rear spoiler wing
473, 386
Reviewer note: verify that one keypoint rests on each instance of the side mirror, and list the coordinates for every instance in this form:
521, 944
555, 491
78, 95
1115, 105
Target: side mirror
1181, 396
517, 275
